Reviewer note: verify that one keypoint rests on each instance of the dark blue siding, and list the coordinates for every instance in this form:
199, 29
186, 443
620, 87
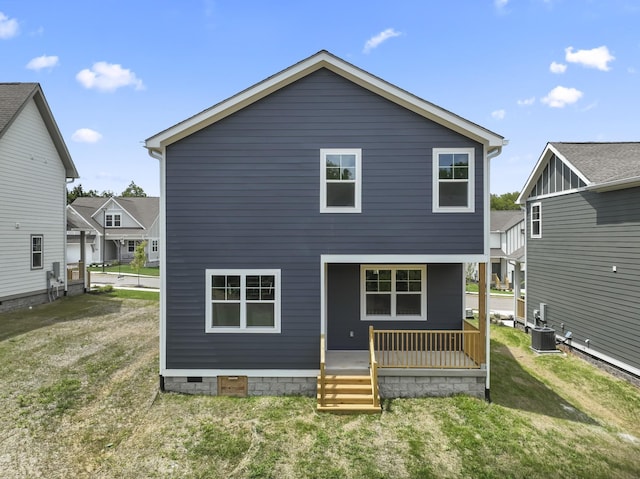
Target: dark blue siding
444, 305
244, 193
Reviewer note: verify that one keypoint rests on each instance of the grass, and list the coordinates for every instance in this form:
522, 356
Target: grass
80, 399
473, 288
126, 269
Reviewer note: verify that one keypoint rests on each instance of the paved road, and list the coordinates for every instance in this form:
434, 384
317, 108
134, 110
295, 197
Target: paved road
125, 281
501, 304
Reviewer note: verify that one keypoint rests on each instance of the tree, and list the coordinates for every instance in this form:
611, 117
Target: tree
78, 192
506, 201
139, 258
134, 190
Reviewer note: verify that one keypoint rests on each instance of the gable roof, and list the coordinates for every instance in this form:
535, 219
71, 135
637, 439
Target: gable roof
502, 220
600, 166
323, 59
144, 210
14, 97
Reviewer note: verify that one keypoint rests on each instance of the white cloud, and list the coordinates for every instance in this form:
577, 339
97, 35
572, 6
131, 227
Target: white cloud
561, 96
373, 42
105, 76
595, 58
498, 114
527, 101
8, 26
86, 135
557, 67
38, 63
500, 4
631, 70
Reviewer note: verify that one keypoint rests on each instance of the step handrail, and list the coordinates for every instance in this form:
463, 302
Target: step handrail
322, 370
373, 370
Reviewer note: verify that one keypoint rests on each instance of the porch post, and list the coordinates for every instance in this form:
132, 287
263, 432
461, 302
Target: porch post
482, 308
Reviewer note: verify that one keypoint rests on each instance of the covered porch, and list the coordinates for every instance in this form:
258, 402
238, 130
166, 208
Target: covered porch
406, 363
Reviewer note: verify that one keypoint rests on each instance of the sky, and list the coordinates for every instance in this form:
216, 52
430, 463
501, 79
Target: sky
116, 72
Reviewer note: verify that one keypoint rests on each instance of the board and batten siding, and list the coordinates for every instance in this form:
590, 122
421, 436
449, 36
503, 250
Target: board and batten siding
32, 202
245, 193
571, 269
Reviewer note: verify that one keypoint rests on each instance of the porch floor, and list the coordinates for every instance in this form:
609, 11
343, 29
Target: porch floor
357, 362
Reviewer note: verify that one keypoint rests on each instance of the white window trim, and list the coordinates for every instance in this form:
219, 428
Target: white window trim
357, 208
243, 273
531, 234
112, 217
392, 317
41, 252
470, 208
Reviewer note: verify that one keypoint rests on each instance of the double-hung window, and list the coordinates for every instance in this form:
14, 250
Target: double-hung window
37, 252
243, 301
536, 220
393, 292
453, 173
113, 220
340, 180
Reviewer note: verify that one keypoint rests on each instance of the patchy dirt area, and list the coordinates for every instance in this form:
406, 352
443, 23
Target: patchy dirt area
79, 396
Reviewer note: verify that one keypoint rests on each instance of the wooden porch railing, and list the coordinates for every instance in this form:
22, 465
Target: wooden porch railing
323, 364
519, 308
438, 349
75, 271
373, 369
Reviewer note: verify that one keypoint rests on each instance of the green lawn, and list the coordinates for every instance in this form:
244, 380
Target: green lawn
126, 269
80, 399
473, 288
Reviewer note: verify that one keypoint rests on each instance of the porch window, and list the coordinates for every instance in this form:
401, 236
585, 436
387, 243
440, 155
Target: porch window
393, 292
36, 251
536, 220
113, 220
453, 173
340, 180
243, 301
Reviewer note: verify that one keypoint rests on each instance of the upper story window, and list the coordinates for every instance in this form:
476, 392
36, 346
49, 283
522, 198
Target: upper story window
37, 251
113, 220
154, 246
393, 292
536, 220
243, 301
453, 173
340, 180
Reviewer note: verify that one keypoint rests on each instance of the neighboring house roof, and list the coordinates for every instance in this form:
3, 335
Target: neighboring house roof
600, 166
502, 220
324, 59
144, 210
14, 97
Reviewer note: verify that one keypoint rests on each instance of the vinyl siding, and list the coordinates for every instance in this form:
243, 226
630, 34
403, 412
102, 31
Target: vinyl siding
32, 194
584, 235
244, 193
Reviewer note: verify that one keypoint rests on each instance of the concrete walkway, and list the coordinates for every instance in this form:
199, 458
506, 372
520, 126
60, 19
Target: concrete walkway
150, 283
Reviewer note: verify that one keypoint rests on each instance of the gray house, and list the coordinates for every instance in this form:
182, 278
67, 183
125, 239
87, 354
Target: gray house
35, 167
110, 229
583, 248
314, 229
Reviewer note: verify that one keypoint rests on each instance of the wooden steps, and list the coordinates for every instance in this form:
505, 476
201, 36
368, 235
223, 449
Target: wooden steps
345, 394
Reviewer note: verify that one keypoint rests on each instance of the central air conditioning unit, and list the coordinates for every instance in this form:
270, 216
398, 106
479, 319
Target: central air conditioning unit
543, 339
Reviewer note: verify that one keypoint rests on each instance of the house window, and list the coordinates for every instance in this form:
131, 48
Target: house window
154, 246
243, 301
536, 220
131, 246
37, 251
393, 292
113, 220
453, 172
340, 180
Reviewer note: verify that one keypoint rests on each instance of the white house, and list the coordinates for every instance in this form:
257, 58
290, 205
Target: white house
35, 166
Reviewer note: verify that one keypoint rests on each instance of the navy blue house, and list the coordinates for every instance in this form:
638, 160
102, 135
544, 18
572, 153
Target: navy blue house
322, 215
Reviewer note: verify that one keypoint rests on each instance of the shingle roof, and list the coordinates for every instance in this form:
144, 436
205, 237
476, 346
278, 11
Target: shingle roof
14, 97
603, 162
144, 209
502, 220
